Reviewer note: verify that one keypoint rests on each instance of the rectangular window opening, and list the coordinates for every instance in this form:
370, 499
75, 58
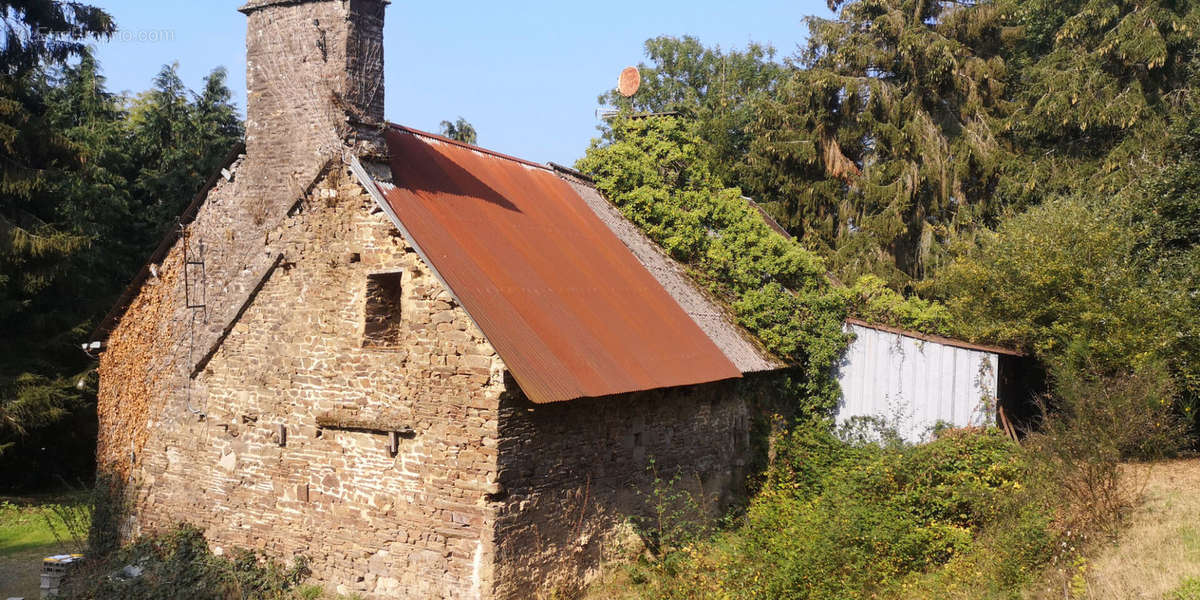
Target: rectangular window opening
384, 327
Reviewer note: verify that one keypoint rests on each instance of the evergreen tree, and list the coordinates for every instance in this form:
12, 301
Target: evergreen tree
130, 169
1096, 86
37, 237
882, 143
460, 130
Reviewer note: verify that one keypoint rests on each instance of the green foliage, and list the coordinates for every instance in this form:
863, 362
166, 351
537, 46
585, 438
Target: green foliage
1099, 73
93, 182
1060, 278
883, 141
179, 564
460, 130
842, 520
906, 125
1096, 421
1071, 281
713, 90
878, 515
678, 515
872, 300
38, 32
1166, 209
654, 172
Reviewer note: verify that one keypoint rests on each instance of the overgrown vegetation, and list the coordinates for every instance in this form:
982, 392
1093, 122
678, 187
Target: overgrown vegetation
1030, 165
859, 520
656, 171
179, 564
857, 513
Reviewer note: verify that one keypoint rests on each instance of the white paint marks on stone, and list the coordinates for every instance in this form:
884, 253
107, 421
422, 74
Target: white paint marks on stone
476, 568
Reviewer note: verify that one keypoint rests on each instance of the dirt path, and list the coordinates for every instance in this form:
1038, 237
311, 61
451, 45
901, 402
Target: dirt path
20, 572
1161, 546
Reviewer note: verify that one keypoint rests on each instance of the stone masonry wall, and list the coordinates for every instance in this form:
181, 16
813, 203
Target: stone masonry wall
314, 85
417, 524
573, 473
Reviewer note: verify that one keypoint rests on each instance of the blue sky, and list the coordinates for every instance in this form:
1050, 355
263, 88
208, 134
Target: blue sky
526, 74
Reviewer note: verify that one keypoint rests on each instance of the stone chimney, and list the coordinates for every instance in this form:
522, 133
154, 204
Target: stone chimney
314, 82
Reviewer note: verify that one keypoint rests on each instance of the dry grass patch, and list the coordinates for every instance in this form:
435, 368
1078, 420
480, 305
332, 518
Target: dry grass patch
1160, 547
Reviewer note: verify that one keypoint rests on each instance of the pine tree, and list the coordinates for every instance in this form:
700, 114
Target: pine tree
883, 142
120, 173
177, 139
1097, 87
460, 130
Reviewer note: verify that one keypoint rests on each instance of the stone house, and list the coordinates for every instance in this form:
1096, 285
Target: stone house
434, 370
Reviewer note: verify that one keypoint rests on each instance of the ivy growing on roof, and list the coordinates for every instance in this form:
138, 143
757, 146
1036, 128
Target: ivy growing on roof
654, 171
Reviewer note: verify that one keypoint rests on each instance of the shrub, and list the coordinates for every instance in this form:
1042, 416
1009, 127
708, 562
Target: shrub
1092, 424
843, 520
877, 515
870, 299
180, 565
1071, 280
679, 513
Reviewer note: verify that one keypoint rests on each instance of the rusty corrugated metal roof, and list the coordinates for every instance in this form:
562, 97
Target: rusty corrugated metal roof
568, 307
709, 313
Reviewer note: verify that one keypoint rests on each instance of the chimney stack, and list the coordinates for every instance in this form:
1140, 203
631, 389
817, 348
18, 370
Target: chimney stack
314, 83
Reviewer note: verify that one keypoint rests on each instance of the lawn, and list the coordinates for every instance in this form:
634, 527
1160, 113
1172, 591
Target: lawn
30, 523
27, 536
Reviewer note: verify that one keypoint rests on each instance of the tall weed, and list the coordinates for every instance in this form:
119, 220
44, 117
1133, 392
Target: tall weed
1092, 424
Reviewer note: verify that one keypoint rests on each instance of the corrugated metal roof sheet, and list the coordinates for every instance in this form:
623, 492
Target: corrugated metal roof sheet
937, 339
568, 307
708, 313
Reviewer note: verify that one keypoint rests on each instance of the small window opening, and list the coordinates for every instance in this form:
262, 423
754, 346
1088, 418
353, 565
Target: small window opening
384, 327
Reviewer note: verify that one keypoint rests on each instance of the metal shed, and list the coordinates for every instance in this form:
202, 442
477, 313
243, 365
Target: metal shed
912, 381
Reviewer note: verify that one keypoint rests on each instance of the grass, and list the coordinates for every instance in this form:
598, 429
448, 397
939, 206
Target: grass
27, 536
28, 524
1188, 590
1158, 553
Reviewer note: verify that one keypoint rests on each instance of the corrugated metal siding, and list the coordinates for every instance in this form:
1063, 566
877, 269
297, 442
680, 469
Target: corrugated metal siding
566, 305
913, 384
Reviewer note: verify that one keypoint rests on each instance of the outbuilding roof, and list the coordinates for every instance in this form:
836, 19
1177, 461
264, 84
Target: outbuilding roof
567, 305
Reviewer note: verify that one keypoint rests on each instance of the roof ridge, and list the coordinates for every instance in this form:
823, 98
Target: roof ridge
440, 138
937, 339
584, 178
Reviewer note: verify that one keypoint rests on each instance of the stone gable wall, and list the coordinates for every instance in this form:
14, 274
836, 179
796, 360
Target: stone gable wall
263, 418
574, 474
417, 524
